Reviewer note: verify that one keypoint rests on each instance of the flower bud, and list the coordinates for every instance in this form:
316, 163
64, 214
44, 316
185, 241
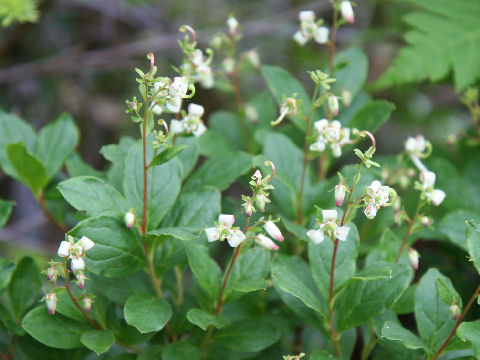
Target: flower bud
87, 303
64, 249
346, 98
455, 311
133, 106
273, 230
51, 303
80, 279
232, 24
86, 243
251, 114
51, 273
248, 209
266, 242
347, 11
260, 201
426, 221
333, 104
157, 109
413, 256
339, 194
129, 219
253, 58
228, 65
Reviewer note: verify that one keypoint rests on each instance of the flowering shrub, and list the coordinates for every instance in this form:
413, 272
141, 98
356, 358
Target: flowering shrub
157, 260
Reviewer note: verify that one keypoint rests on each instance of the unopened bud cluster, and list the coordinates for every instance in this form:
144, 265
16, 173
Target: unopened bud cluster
261, 190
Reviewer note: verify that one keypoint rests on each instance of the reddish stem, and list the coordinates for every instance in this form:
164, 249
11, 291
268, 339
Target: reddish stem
77, 305
459, 321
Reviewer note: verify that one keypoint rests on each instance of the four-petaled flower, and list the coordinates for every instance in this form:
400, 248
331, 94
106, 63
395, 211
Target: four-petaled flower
328, 227
377, 196
75, 251
224, 230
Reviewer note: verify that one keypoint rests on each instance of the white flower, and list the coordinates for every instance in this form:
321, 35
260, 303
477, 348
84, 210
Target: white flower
339, 194
330, 133
436, 196
232, 24
51, 303
235, 238
64, 249
341, 232
374, 188
428, 179
86, 243
195, 110
413, 256
306, 16
370, 211
416, 145
129, 219
176, 127
204, 75
347, 11
226, 220
177, 91
317, 236
266, 242
321, 34
199, 130
333, 104
321, 125
212, 234
273, 231
300, 38
329, 216
77, 263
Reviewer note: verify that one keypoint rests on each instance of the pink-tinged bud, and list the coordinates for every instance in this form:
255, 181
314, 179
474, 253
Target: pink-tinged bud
129, 219
347, 98
51, 273
226, 220
426, 221
86, 243
273, 231
64, 249
413, 256
339, 194
232, 24
248, 209
260, 201
51, 303
347, 11
333, 104
266, 242
80, 279
87, 303
133, 106
455, 311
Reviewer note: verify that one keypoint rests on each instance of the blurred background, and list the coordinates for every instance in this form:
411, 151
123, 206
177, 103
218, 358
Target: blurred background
78, 56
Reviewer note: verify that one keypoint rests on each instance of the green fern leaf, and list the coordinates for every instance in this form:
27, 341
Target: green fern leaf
445, 37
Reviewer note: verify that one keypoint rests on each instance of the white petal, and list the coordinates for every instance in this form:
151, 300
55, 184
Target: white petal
195, 110
341, 232
299, 38
77, 263
64, 249
428, 179
176, 126
321, 34
336, 150
306, 16
86, 243
317, 236
212, 234
235, 238
321, 125
226, 220
317, 146
201, 128
374, 188
370, 211
437, 196
329, 215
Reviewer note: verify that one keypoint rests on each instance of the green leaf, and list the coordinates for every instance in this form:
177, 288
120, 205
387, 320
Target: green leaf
76, 166
473, 243
167, 154
13, 130
184, 234
282, 84
406, 303
248, 335
204, 319
321, 355
65, 305
447, 292
117, 251
434, 321
18, 10
163, 185
189, 156
452, 182
372, 116
195, 209
212, 144
55, 142
55, 331
147, 312
320, 257
470, 331
286, 280
206, 270
220, 172
228, 125
387, 248
94, 196
120, 289
24, 287
393, 331
181, 350
444, 38
99, 341
363, 300
6, 270
352, 76
5, 211
454, 225
29, 169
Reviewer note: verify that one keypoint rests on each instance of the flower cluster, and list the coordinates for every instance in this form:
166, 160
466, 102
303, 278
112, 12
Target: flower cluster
75, 251
273, 231
328, 227
435, 196
377, 196
198, 66
260, 188
224, 229
309, 28
191, 122
330, 133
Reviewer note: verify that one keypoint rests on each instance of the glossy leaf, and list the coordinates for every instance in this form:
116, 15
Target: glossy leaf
147, 312
393, 331
5, 211
204, 319
99, 341
473, 243
167, 154
470, 331
206, 270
